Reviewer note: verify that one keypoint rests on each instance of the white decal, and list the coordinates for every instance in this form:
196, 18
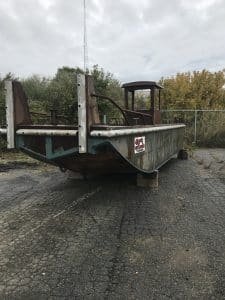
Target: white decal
139, 144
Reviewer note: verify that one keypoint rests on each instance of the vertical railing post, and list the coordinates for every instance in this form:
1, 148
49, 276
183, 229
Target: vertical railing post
10, 115
82, 113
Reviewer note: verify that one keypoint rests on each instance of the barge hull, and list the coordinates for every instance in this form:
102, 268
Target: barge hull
91, 147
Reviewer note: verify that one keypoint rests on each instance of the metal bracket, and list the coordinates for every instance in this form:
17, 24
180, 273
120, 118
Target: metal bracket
50, 154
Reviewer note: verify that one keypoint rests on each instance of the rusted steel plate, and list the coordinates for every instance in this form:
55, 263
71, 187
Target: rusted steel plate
159, 147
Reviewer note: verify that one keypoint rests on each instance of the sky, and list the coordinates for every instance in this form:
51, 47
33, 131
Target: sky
133, 39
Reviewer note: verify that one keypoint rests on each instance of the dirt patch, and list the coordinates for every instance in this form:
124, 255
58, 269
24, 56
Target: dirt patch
17, 160
211, 160
17, 165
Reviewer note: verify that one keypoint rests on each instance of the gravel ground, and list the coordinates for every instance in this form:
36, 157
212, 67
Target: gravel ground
108, 239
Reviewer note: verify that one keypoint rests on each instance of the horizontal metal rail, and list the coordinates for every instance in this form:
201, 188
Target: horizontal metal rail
128, 131
47, 132
114, 103
3, 131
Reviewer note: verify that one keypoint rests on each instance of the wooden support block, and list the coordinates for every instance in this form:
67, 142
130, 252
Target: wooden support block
182, 154
148, 180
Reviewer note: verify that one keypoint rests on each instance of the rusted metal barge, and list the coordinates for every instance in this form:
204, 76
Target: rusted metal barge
140, 145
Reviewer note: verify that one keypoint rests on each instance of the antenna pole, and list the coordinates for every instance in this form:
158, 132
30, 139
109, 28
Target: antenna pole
85, 40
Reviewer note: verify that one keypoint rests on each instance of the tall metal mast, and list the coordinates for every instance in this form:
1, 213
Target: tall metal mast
85, 40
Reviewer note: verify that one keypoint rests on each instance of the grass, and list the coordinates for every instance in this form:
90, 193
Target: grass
15, 159
210, 127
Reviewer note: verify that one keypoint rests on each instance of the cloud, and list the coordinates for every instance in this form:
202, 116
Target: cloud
133, 39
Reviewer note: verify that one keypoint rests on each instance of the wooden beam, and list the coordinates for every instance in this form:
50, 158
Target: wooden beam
148, 180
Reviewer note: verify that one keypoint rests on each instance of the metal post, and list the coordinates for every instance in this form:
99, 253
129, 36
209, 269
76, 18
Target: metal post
126, 98
195, 133
159, 99
152, 109
132, 93
10, 115
82, 113
53, 117
85, 39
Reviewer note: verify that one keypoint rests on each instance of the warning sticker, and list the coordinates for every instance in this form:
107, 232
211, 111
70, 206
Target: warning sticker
139, 144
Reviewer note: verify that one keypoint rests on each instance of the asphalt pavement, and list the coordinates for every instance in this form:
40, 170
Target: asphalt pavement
106, 238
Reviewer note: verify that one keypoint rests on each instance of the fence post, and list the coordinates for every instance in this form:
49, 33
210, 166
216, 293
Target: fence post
195, 133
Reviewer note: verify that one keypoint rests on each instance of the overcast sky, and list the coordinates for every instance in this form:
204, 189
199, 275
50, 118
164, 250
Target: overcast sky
133, 39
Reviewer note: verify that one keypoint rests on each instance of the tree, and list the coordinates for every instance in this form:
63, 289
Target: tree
196, 90
107, 85
60, 92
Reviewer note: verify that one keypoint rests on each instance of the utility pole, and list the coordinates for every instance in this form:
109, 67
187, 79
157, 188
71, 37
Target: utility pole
85, 40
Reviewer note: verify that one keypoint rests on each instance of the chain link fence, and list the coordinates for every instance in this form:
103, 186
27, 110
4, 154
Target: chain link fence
203, 127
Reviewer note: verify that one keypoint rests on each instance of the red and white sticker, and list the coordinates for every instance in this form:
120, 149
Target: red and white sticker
139, 144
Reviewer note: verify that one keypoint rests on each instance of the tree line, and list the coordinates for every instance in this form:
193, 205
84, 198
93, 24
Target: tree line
190, 90
60, 91
194, 90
